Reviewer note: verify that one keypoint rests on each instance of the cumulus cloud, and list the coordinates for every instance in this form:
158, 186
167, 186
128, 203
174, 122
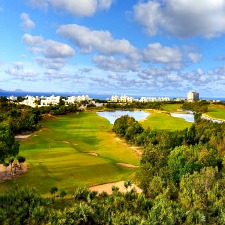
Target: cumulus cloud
26, 23
195, 57
182, 18
112, 64
76, 8
161, 54
152, 73
50, 48
55, 63
93, 40
18, 71
53, 54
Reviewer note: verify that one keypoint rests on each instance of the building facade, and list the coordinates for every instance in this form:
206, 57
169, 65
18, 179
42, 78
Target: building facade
192, 96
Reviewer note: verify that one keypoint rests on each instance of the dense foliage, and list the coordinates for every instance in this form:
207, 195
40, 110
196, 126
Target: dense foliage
185, 168
199, 106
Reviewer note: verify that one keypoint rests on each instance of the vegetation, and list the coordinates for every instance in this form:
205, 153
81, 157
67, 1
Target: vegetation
181, 175
199, 107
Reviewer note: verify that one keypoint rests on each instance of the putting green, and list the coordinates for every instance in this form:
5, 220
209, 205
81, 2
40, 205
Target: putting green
57, 154
163, 121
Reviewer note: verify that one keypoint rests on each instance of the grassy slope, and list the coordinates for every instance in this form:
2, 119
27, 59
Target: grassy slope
217, 112
163, 121
56, 154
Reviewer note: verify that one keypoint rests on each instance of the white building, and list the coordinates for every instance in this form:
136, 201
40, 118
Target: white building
30, 101
115, 98
192, 96
52, 100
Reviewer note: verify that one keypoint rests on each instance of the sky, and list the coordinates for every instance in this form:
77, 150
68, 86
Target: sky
123, 47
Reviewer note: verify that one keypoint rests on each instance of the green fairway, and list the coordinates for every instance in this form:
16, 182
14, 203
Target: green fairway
171, 107
57, 154
217, 112
163, 121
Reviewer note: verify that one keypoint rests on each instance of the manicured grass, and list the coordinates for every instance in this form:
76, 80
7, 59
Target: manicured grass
217, 112
171, 107
163, 121
57, 154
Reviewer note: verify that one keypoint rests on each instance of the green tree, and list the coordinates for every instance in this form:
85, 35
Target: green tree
21, 159
53, 191
8, 146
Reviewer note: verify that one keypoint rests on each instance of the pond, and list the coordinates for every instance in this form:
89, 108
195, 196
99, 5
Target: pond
113, 115
189, 117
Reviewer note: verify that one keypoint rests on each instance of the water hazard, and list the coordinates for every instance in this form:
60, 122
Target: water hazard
112, 116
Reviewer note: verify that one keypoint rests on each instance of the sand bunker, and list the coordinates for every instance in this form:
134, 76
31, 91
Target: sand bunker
92, 153
108, 187
127, 165
22, 136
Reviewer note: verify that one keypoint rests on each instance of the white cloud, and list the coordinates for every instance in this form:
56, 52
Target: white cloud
113, 64
55, 63
55, 49
152, 73
93, 40
18, 71
50, 48
195, 57
104, 4
27, 23
182, 18
161, 54
74, 7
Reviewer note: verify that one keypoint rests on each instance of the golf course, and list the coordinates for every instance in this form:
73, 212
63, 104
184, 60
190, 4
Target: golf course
82, 150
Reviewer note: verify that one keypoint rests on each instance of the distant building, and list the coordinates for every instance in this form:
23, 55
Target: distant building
192, 96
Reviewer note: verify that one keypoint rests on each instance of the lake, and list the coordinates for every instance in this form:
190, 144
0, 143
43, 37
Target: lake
113, 115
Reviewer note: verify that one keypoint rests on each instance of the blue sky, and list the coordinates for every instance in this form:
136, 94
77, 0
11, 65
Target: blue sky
147, 48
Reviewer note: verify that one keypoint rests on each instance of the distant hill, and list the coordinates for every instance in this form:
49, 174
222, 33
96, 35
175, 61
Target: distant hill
18, 90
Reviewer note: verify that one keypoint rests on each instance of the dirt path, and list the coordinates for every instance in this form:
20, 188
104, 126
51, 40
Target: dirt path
108, 187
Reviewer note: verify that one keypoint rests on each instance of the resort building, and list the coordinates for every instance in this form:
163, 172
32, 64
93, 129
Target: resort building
52, 100
73, 99
192, 96
115, 98
30, 101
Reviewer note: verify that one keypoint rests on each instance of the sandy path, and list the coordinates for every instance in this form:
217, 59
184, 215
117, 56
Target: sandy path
108, 187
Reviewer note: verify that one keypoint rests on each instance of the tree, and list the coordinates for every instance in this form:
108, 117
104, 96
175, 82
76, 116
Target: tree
6, 164
62, 194
21, 160
8, 146
11, 160
53, 191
